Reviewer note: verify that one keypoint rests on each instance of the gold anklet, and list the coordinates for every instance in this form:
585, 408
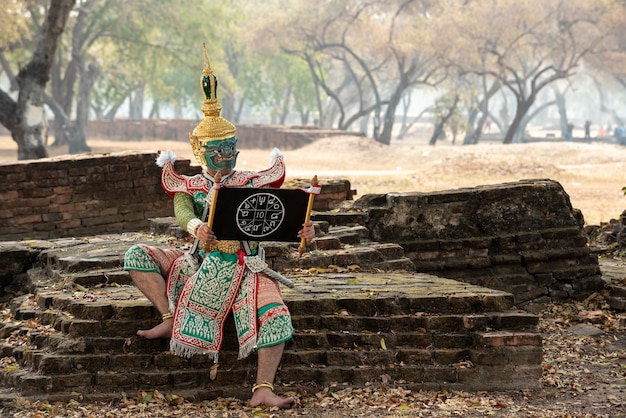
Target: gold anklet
263, 385
167, 315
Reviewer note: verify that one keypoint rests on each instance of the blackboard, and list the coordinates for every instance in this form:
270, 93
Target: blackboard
259, 214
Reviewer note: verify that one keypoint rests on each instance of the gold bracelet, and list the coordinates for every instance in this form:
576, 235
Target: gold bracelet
167, 315
263, 385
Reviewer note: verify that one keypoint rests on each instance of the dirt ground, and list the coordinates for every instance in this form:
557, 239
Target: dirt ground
591, 173
584, 341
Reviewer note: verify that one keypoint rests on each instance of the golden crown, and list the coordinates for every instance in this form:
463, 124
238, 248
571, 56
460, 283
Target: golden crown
213, 127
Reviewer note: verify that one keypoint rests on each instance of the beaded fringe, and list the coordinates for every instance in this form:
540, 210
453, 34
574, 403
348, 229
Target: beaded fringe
183, 350
246, 349
186, 351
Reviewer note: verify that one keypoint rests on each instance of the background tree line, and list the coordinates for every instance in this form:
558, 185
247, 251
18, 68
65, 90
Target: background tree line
350, 65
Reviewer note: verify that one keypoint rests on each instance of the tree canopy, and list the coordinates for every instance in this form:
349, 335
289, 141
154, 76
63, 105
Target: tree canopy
348, 65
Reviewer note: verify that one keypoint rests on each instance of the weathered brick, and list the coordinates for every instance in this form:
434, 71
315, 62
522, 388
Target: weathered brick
155, 378
114, 380
75, 382
35, 384
526, 355
448, 356
514, 320
507, 339
170, 361
452, 340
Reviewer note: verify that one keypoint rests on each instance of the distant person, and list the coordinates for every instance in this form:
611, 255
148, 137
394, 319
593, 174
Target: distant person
587, 129
601, 133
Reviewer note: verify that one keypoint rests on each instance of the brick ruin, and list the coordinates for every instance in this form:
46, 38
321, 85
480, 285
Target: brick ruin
523, 237
494, 248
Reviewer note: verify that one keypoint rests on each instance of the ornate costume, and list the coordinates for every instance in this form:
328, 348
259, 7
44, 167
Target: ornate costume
205, 285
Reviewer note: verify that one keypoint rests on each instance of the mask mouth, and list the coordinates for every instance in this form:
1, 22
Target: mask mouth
225, 158
221, 158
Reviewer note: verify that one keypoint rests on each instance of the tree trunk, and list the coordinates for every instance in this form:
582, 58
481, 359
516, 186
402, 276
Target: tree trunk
479, 127
135, 103
390, 114
473, 135
64, 87
154, 111
78, 139
110, 115
561, 106
31, 131
472, 115
436, 133
284, 108
439, 126
8, 112
304, 118
520, 112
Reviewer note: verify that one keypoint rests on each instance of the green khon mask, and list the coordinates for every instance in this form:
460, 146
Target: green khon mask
221, 156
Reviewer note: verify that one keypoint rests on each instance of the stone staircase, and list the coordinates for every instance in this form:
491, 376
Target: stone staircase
361, 313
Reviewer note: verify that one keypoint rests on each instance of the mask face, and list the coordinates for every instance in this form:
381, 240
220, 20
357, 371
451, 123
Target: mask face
221, 156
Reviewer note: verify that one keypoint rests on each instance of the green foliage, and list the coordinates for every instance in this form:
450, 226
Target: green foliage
156, 45
13, 21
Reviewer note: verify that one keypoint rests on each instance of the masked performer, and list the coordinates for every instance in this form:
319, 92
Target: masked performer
195, 291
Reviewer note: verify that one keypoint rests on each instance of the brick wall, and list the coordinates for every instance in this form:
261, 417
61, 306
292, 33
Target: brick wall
81, 195
97, 194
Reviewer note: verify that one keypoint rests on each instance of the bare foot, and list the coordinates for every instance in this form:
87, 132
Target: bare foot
264, 396
163, 330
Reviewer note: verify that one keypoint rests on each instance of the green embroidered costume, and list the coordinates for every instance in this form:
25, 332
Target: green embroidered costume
204, 287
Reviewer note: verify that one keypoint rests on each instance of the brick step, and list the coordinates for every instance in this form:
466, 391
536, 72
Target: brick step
340, 218
59, 364
87, 337
99, 262
615, 296
95, 277
375, 255
344, 321
77, 330
327, 332
229, 381
320, 294
94, 254
105, 319
617, 291
64, 363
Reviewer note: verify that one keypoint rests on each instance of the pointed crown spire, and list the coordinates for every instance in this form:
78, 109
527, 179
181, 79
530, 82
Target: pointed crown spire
213, 127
